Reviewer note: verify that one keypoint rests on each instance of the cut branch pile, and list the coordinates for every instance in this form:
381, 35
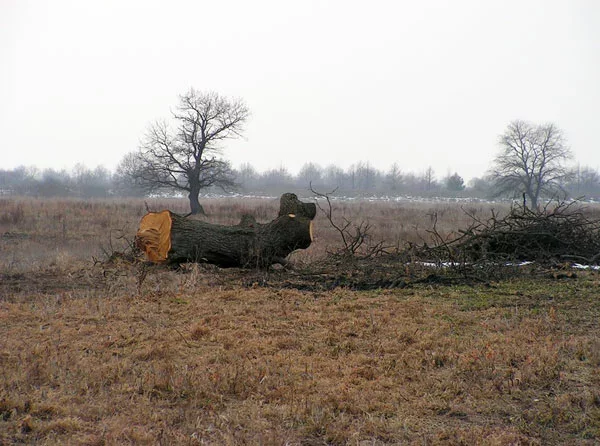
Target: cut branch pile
552, 235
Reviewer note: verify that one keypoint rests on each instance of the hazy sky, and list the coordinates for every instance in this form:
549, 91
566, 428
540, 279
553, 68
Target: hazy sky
417, 82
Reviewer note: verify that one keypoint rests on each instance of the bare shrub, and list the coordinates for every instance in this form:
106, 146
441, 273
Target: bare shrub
356, 237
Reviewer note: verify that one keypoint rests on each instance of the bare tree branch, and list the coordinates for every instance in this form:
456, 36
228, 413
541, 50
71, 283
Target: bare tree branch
531, 160
185, 159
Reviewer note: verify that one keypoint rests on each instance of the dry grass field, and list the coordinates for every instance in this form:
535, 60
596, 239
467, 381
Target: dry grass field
102, 353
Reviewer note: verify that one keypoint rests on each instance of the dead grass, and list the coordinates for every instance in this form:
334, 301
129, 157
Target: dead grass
87, 357
36, 233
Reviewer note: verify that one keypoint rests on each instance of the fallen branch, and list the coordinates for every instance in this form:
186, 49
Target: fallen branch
356, 237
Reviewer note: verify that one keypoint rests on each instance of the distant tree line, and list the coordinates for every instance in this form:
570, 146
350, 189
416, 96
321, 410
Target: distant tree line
360, 179
182, 156
78, 182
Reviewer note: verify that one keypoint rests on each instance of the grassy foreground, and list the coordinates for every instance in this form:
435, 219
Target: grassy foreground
514, 363
209, 356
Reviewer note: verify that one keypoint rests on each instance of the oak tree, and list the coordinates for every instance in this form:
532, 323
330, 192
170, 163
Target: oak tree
531, 160
187, 158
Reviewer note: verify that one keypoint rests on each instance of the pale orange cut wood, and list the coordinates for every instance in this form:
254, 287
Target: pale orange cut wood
154, 235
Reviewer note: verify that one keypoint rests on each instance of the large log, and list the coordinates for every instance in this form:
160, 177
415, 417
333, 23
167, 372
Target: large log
166, 237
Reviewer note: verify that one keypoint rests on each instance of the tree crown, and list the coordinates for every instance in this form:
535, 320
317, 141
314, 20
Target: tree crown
530, 159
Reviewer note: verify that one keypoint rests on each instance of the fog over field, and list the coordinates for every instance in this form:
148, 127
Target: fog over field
338, 82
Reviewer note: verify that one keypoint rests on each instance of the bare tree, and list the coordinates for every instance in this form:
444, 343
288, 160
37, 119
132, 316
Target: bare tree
276, 179
334, 177
454, 183
247, 177
428, 179
310, 173
531, 160
186, 159
364, 176
394, 177
584, 180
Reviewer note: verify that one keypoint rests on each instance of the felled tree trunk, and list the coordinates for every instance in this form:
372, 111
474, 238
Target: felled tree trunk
166, 237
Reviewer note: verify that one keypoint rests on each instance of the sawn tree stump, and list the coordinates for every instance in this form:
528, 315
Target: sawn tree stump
166, 237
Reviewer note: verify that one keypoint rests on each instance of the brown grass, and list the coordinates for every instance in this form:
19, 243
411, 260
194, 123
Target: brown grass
195, 357
60, 232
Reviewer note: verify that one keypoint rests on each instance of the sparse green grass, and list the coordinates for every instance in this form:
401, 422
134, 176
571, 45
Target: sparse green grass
194, 357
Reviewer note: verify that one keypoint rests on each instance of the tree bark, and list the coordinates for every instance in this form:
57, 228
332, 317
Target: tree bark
289, 204
166, 237
195, 206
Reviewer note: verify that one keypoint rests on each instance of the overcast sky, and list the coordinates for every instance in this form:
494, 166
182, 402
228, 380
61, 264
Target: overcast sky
421, 83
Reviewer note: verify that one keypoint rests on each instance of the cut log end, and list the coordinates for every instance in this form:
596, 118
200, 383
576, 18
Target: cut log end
154, 236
